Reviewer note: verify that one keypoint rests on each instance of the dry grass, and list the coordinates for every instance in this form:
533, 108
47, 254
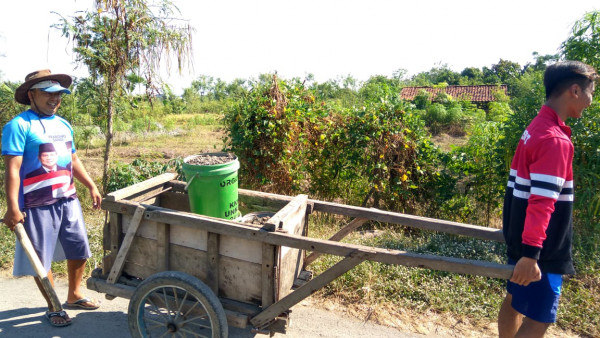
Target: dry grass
427, 323
446, 141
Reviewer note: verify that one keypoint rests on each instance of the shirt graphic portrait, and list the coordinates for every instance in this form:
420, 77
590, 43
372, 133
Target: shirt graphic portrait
50, 181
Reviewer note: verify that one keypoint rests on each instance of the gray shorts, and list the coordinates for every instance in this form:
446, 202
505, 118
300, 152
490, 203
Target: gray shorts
57, 232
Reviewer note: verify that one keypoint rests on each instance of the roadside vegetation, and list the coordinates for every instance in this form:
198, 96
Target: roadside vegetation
359, 143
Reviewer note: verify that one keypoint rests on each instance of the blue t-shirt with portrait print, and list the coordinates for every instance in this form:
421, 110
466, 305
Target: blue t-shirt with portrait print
46, 145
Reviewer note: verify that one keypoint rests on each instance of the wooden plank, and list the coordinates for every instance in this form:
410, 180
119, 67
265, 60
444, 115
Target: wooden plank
279, 201
106, 231
118, 290
152, 195
115, 228
424, 223
225, 227
338, 236
175, 200
115, 272
289, 268
350, 227
176, 186
307, 289
238, 280
107, 263
297, 212
263, 201
193, 237
235, 319
163, 241
291, 259
139, 187
268, 275
212, 262
418, 222
241, 307
287, 214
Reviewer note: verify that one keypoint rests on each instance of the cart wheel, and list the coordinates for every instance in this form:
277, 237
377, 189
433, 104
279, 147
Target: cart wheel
173, 303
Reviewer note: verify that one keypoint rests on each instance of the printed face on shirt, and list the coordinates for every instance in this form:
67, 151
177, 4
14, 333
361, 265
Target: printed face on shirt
49, 159
45, 103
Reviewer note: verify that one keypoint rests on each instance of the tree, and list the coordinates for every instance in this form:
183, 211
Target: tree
541, 62
584, 45
219, 90
203, 85
473, 75
506, 70
124, 37
8, 106
584, 42
237, 88
438, 74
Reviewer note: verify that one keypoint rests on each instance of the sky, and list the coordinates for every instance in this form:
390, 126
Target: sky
327, 38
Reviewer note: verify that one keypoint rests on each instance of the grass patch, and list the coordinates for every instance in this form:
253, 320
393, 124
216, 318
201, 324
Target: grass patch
392, 290
414, 288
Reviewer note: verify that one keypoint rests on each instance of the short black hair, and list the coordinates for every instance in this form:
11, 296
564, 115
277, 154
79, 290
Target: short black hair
561, 75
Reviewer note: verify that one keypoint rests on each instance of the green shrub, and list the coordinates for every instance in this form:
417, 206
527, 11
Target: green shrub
144, 124
379, 154
122, 175
206, 119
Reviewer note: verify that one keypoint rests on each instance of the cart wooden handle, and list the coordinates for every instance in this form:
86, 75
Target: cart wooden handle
40, 272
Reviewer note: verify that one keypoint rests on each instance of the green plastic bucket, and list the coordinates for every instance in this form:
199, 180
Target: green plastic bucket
213, 188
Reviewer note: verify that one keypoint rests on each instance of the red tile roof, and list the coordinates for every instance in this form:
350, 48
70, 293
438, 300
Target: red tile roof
484, 93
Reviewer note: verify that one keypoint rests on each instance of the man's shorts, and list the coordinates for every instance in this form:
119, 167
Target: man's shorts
57, 232
538, 300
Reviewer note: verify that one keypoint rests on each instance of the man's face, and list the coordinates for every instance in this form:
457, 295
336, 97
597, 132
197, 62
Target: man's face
43, 102
49, 159
584, 100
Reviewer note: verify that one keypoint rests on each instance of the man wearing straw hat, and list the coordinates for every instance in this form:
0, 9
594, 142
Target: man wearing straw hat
40, 161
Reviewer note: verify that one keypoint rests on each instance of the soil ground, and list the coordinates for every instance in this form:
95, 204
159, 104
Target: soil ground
22, 315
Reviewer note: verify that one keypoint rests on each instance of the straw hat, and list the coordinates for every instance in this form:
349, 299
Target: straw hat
64, 81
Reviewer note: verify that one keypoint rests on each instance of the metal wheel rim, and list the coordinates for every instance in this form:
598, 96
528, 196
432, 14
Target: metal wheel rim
162, 316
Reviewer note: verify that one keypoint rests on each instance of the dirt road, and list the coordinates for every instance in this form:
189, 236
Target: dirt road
22, 308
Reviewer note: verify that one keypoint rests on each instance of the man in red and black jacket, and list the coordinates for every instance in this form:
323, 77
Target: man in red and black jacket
538, 204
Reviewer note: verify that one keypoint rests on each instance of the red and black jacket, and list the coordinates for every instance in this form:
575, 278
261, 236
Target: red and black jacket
538, 203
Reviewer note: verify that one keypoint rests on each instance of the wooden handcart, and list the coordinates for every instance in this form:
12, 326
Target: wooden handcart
197, 275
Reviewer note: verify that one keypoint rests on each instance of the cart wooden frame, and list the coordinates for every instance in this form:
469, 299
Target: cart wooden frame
258, 272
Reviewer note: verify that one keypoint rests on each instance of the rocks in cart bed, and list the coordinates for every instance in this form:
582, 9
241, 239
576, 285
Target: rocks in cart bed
258, 218
211, 159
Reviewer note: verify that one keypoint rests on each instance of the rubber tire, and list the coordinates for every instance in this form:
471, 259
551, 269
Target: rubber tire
181, 280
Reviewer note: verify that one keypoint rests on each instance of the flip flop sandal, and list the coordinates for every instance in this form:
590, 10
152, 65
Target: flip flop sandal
79, 304
61, 314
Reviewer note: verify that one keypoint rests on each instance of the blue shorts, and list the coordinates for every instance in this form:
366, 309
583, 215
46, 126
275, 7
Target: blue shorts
538, 300
57, 232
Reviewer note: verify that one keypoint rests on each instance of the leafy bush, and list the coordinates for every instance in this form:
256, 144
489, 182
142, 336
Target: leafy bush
122, 175
144, 124
86, 136
379, 154
480, 172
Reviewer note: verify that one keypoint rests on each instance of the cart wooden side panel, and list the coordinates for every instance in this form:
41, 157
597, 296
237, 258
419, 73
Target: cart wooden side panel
236, 268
